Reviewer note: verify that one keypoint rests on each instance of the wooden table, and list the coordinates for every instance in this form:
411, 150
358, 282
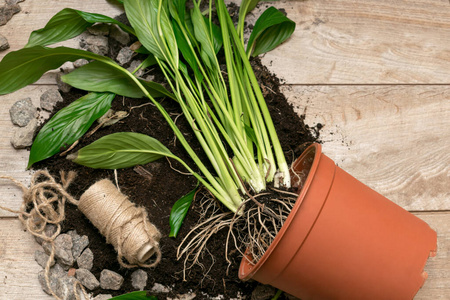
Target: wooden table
376, 74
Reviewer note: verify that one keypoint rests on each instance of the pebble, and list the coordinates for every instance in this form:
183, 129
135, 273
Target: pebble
63, 249
22, 112
134, 64
86, 260
23, 137
42, 258
49, 231
8, 11
119, 35
54, 274
263, 292
139, 279
110, 280
3, 43
124, 56
99, 29
97, 44
159, 288
65, 288
188, 296
87, 279
49, 99
80, 62
71, 272
79, 243
62, 86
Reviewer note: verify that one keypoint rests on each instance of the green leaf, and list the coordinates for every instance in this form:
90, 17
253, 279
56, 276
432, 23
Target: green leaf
186, 50
120, 150
68, 125
144, 16
23, 67
271, 29
246, 7
217, 34
99, 77
141, 295
201, 31
69, 23
179, 211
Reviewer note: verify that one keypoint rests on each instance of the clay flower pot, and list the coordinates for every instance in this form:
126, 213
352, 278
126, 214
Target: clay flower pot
343, 240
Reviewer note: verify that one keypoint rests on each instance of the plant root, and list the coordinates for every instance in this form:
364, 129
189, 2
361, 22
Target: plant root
251, 229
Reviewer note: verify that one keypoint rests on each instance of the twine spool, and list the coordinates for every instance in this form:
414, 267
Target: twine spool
124, 225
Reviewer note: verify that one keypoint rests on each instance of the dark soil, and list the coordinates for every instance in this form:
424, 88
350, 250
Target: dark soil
161, 187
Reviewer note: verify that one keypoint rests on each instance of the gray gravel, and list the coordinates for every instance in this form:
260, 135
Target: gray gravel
110, 280
87, 279
22, 112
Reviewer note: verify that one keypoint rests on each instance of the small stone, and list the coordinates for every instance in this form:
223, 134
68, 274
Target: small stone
139, 279
110, 280
22, 112
134, 64
63, 249
80, 62
67, 67
97, 44
79, 243
42, 258
119, 35
3, 43
87, 279
86, 260
7, 12
263, 292
54, 274
23, 137
49, 231
71, 272
124, 56
65, 288
49, 99
103, 297
188, 296
159, 288
99, 29
62, 86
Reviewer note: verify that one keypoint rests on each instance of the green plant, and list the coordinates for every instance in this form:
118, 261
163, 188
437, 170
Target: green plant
184, 43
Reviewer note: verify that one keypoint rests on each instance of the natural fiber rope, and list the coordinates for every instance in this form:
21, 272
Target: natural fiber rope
121, 222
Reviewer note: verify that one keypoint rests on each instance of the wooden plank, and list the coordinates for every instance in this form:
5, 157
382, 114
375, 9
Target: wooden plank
18, 270
14, 162
395, 139
365, 42
18, 273
438, 268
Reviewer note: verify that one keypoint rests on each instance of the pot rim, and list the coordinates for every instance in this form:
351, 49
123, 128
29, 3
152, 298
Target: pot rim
246, 269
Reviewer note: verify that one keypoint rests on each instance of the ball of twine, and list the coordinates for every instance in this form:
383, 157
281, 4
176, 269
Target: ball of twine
124, 225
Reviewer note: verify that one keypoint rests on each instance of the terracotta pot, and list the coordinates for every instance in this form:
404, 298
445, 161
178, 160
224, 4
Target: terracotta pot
343, 240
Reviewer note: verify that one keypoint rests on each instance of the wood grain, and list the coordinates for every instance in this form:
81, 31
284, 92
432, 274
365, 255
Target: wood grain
18, 270
18, 273
395, 139
14, 162
438, 267
365, 42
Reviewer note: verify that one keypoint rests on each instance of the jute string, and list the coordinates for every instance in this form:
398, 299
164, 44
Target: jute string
123, 224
